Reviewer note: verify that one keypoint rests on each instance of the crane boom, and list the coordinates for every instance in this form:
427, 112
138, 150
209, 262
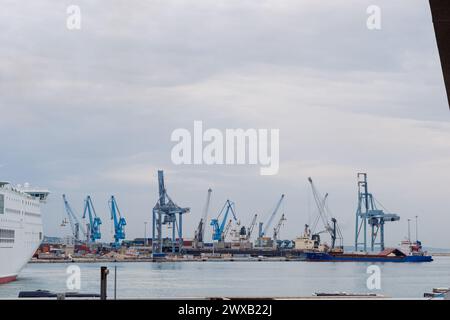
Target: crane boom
251, 227
334, 230
276, 230
119, 222
227, 228
200, 232
272, 216
320, 203
73, 220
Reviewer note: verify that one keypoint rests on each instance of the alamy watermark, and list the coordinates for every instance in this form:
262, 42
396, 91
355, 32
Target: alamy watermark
374, 20
231, 147
73, 281
73, 21
374, 280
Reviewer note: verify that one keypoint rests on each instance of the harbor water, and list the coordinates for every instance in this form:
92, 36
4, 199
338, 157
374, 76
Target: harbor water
236, 279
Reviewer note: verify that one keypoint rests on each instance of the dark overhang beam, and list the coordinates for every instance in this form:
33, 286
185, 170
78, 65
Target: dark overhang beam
440, 10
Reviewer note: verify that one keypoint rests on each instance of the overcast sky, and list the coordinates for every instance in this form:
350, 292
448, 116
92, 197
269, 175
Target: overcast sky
91, 111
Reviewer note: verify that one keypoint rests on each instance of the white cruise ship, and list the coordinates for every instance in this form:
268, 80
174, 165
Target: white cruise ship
20, 227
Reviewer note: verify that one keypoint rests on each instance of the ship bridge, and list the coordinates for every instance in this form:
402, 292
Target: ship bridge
40, 194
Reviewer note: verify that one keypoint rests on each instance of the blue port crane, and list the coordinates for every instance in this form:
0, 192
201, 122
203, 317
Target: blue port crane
219, 230
94, 221
119, 222
73, 220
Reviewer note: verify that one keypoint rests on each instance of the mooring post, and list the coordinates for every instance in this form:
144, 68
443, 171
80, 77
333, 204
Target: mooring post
115, 282
103, 281
60, 296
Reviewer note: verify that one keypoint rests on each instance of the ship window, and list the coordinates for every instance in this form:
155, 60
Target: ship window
6, 236
2, 204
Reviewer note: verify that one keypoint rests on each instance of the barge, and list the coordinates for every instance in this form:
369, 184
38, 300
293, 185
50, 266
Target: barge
389, 255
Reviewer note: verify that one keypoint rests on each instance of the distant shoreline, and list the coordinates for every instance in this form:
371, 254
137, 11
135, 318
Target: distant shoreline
96, 260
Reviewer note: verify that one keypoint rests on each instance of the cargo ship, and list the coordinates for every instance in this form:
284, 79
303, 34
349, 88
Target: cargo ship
20, 227
368, 218
387, 255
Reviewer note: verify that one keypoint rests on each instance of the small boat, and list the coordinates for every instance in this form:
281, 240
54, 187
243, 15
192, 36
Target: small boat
347, 295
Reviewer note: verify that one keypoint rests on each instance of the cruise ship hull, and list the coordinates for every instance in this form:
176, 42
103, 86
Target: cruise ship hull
17, 255
4, 280
20, 228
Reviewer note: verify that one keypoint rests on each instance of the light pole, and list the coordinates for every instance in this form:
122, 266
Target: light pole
145, 233
409, 231
417, 230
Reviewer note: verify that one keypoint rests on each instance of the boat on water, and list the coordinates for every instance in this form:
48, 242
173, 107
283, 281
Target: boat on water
20, 227
370, 221
387, 255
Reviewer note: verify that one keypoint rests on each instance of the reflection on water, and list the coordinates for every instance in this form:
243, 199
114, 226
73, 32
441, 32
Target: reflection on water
257, 279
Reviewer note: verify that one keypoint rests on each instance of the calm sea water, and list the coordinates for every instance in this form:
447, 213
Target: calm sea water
237, 279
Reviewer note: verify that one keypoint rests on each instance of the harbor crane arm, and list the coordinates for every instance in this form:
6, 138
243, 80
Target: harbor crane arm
73, 220
251, 227
229, 208
276, 230
272, 216
334, 230
320, 203
200, 232
227, 228
319, 216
